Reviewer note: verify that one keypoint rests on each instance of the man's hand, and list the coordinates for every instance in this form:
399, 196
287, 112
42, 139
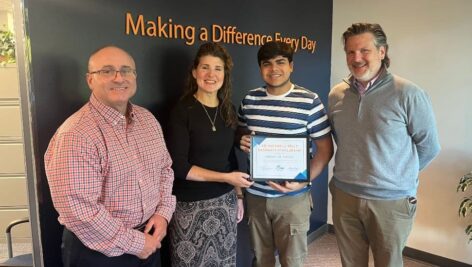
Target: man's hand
151, 244
286, 186
159, 224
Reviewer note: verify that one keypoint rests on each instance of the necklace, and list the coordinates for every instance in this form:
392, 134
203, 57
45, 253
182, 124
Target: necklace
213, 128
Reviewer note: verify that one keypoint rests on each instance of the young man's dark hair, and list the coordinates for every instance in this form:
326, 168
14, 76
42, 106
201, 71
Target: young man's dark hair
272, 49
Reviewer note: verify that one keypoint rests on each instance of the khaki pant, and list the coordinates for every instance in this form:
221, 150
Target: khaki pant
279, 224
382, 225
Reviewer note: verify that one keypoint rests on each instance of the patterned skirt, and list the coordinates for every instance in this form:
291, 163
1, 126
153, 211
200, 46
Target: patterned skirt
203, 233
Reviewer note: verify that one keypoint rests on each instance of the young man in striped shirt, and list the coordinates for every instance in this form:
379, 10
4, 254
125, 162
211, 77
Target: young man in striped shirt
279, 212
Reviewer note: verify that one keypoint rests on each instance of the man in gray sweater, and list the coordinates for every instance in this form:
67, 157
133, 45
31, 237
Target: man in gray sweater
385, 133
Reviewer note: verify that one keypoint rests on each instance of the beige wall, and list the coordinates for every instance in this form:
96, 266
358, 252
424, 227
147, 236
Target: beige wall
13, 195
430, 44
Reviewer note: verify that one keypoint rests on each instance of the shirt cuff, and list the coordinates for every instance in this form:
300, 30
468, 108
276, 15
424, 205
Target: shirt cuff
137, 246
166, 211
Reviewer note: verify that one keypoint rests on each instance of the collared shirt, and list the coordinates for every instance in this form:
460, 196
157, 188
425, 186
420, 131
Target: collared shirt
108, 174
360, 87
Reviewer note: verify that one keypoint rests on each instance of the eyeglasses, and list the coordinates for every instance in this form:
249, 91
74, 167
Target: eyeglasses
126, 73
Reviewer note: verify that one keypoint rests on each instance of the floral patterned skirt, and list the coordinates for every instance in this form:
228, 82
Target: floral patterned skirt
204, 233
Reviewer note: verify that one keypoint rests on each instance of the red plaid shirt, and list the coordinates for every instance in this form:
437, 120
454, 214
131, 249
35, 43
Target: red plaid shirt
107, 176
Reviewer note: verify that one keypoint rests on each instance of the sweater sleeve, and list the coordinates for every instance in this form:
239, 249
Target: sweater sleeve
179, 142
422, 127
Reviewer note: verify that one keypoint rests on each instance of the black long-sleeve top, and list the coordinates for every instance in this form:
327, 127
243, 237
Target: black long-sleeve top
191, 141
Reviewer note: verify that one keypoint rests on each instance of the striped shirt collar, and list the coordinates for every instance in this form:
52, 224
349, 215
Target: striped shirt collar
282, 95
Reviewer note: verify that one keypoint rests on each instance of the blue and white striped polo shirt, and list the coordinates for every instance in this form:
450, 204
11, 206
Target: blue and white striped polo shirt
297, 112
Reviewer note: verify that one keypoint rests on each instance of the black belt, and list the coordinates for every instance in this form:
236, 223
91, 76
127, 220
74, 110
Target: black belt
141, 226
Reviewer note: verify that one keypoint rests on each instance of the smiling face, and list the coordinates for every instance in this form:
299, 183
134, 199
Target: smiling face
276, 74
364, 59
209, 74
115, 91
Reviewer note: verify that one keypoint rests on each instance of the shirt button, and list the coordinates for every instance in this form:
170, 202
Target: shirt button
135, 157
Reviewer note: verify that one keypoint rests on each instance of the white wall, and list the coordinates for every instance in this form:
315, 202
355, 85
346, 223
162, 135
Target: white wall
430, 44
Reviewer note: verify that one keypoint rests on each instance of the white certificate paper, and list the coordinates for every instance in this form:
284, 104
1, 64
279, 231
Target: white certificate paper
279, 158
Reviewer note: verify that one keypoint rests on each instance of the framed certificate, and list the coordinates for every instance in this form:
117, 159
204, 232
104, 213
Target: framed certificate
276, 158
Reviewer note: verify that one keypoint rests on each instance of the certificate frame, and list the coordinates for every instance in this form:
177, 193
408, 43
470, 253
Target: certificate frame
280, 158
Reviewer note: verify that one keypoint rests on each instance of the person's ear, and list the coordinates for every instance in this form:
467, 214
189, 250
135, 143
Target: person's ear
89, 79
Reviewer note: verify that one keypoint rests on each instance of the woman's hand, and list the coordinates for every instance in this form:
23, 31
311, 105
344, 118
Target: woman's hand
240, 214
238, 179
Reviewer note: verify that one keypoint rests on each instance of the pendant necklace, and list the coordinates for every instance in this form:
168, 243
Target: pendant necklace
213, 128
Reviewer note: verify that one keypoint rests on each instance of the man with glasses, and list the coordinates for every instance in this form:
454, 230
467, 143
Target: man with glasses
110, 173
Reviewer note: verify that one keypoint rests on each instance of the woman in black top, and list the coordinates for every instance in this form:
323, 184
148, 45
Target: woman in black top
208, 189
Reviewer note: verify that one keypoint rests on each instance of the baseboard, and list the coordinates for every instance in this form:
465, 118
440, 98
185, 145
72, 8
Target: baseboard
431, 258
413, 253
330, 228
317, 233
